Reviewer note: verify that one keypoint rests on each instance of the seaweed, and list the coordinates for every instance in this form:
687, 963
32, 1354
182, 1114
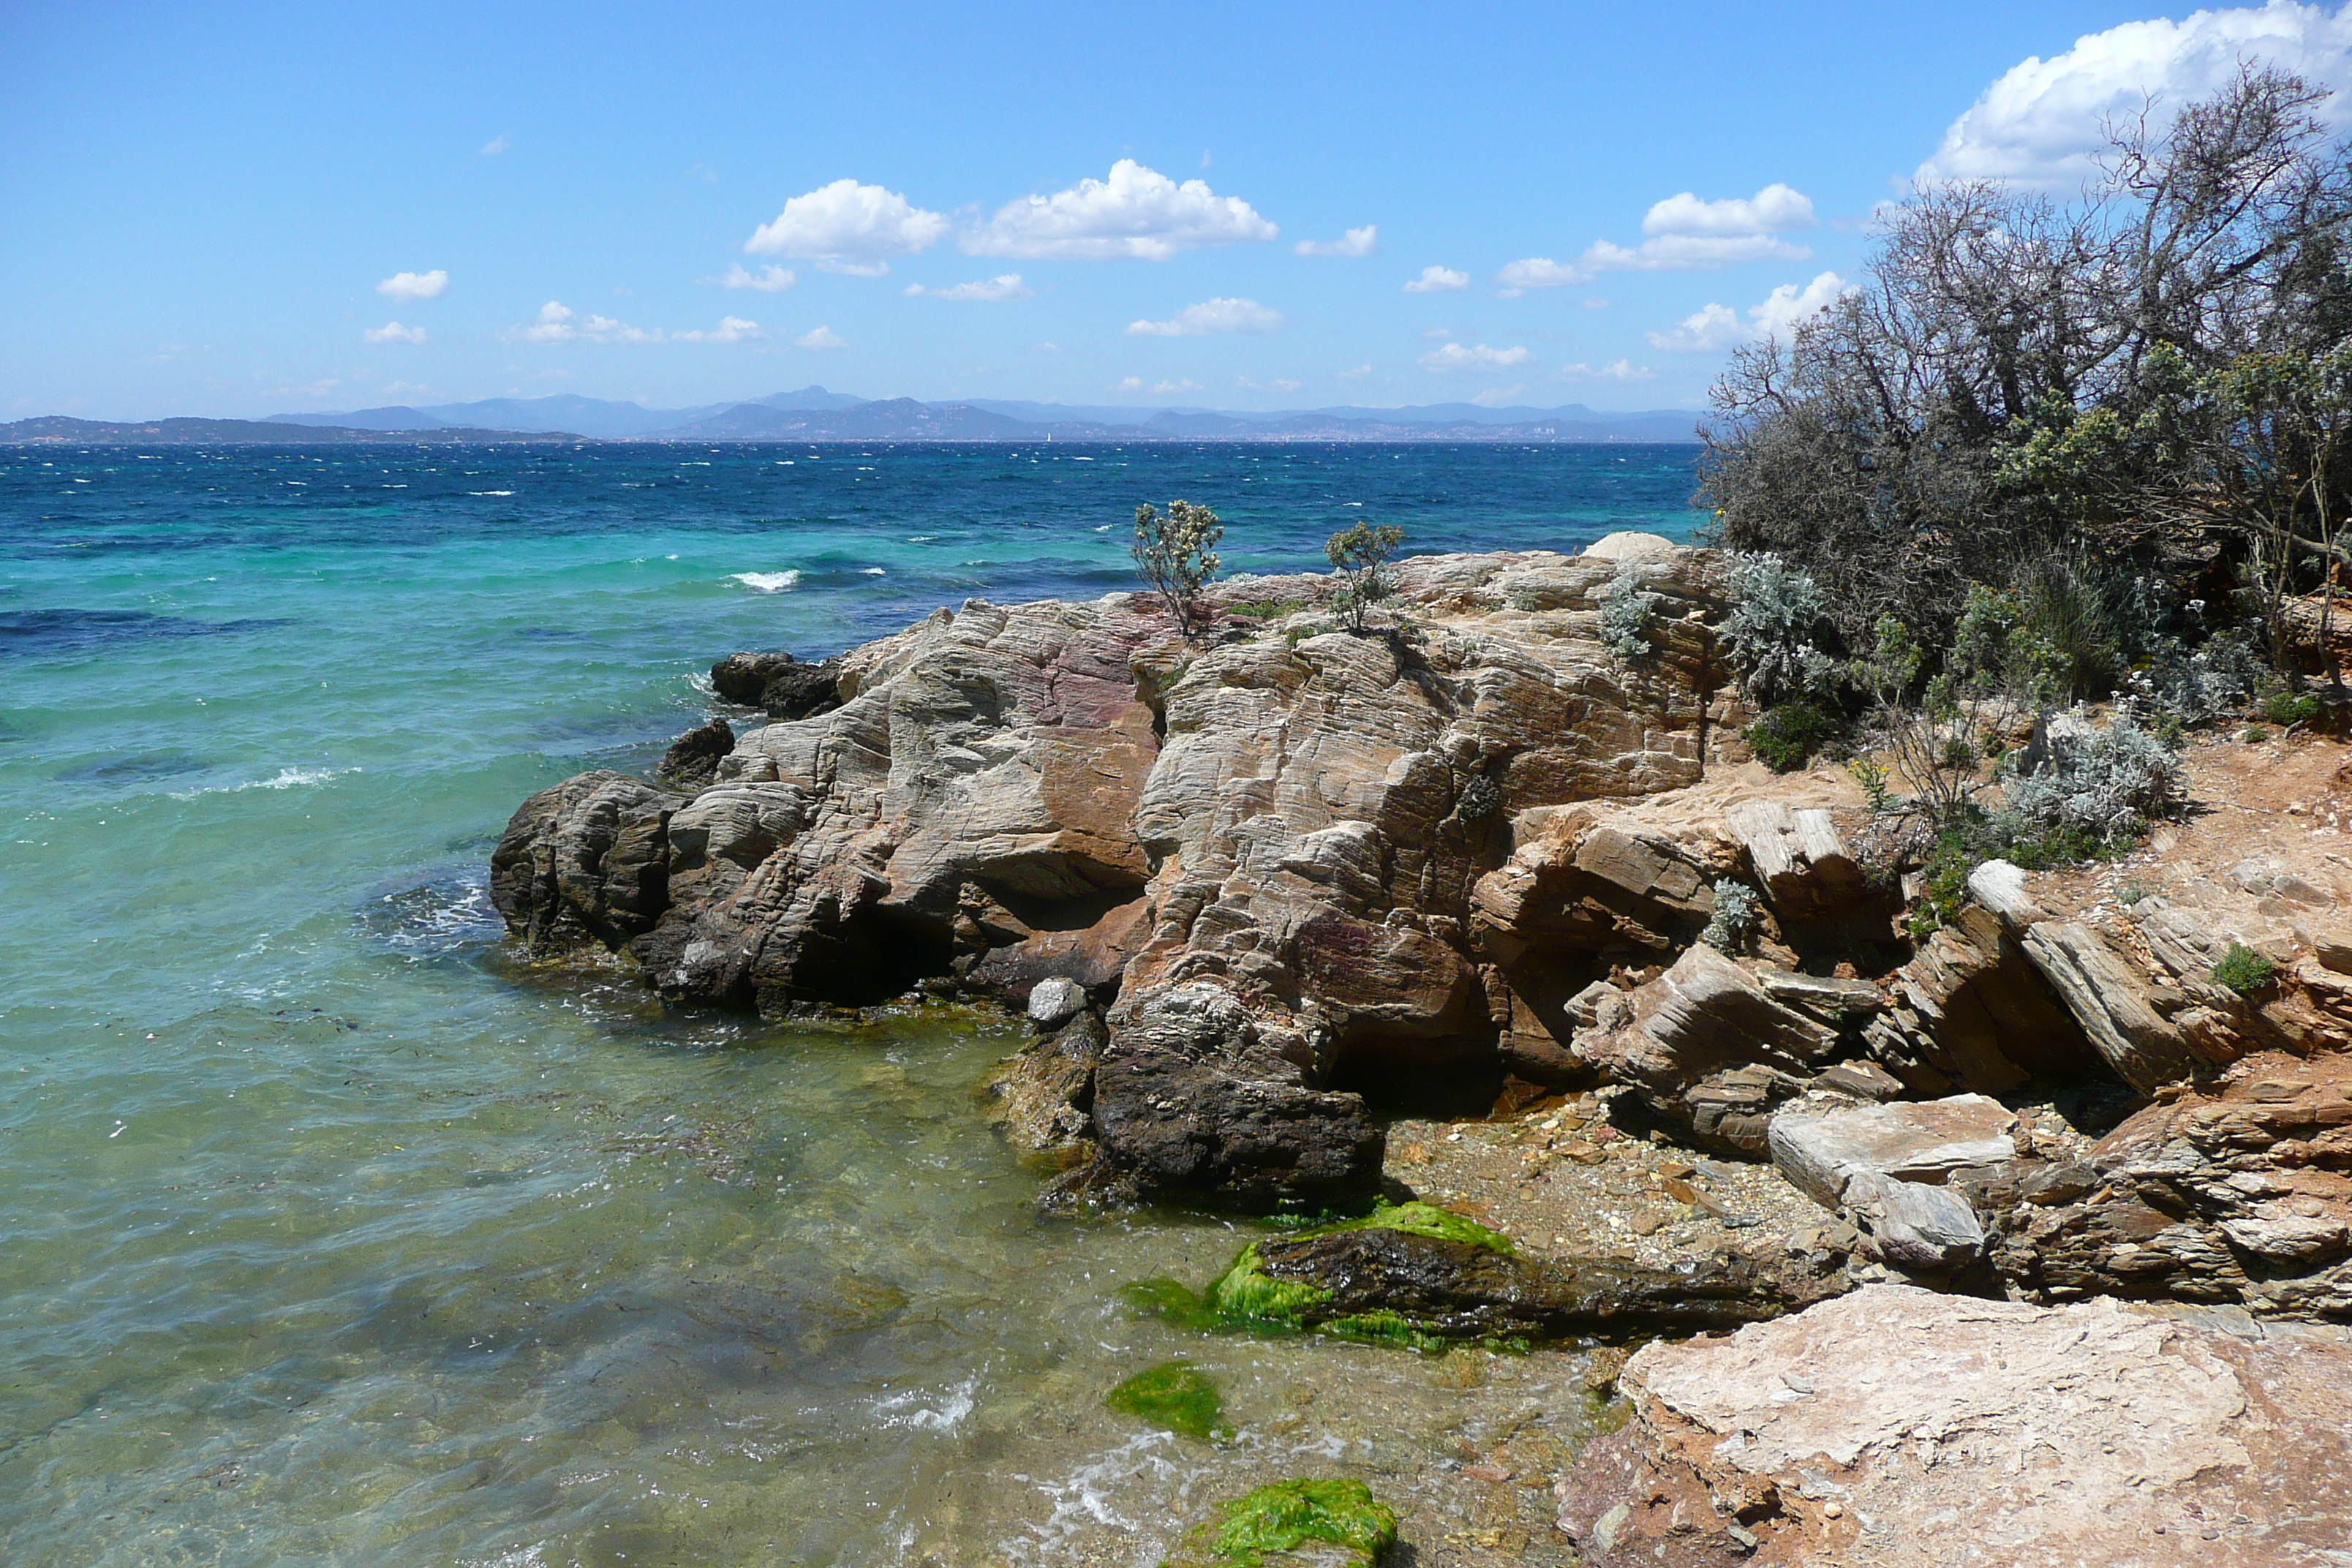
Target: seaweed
1284, 1516
1175, 1396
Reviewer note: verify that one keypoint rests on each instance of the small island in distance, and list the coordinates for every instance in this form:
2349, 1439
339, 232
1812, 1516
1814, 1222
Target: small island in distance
814, 414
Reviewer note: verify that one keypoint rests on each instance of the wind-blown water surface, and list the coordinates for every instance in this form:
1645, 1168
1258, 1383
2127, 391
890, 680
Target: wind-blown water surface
333, 1235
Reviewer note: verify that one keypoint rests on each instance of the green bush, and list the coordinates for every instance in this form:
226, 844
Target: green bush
2243, 969
1784, 738
2284, 707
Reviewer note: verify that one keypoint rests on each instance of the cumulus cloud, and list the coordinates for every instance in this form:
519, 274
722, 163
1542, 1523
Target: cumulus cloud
1355, 242
768, 279
822, 338
1138, 214
730, 329
1002, 287
1210, 316
1615, 370
1283, 383
406, 286
1361, 373
1686, 234
1715, 328
392, 332
1471, 356
1775, 209
1170, 388
1435, 279
848, 228
2040, 123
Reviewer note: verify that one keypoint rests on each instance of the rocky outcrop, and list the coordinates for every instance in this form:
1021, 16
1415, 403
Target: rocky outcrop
778, 684
692, 760
1901, 1429
1708, 1046
2238, 1192
1258, 852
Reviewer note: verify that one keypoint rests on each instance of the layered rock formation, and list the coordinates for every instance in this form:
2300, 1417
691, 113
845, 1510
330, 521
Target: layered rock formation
1265, 884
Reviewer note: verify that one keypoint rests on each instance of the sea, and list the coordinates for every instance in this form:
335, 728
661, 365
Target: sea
333, 1233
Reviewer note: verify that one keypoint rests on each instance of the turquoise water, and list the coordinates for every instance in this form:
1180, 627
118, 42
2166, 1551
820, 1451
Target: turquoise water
335, 1237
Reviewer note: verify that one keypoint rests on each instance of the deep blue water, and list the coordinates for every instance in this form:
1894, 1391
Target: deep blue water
332, 1237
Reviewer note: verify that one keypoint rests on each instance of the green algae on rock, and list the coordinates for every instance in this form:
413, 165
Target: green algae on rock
1175, 1396
1284, 1516
1245, 1298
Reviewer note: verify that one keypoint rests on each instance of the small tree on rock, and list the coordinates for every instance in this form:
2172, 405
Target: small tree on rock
1177, 555
1360, 556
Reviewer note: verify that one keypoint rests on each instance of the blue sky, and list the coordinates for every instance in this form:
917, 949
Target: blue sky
210, 210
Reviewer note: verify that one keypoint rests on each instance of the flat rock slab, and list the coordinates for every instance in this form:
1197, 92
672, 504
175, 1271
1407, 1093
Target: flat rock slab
1897, 1427
1917, 1140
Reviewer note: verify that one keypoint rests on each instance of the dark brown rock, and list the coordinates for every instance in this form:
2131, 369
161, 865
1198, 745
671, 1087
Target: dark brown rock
587, 860
692, 760
1461, 1289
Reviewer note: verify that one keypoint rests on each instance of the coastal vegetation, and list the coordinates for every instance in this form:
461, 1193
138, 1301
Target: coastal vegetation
1175, 1396
1284, 1516
1176, 552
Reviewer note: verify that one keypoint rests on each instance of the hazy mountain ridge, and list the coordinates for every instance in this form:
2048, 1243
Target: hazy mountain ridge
814, 414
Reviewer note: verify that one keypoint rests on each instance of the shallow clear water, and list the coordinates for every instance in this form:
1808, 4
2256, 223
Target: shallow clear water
334, 1236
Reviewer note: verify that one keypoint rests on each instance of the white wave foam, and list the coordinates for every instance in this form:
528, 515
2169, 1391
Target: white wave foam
284, 778
770, 582
489, 492
911, 1409
873, 572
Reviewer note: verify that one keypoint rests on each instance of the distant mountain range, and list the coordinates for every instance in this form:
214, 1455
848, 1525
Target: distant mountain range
812, 414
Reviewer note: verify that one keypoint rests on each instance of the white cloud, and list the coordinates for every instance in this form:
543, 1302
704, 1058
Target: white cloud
730, 329
1496, 396
1137, 213
1666, 253
392, 332
1127, 383
1002, 287
1615, 370
558, 324
1355, 242
1716, 328
1280, 385
1436, 334
496, 145
1594, 304
1170, 388
1775, 209
1210, 316
848, 228
768, 279
406, 286
1456, 356
2041, 123
822, 338
1361, 373
1435, 279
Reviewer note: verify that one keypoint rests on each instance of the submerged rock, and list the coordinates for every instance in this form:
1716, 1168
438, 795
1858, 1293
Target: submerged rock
1907, 1429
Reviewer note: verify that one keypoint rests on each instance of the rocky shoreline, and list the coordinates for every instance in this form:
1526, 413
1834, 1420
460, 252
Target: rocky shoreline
1305, 918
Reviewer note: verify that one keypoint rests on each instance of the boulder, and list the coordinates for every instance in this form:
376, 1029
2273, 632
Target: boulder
1882, 1169
778, 683
1626, 545
585, 860
1053, 1002
1196, 1094
1902, 1428
1043, 1096
692, 760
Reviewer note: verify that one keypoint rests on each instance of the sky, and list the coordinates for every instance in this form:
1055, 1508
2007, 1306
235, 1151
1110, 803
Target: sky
237, 210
